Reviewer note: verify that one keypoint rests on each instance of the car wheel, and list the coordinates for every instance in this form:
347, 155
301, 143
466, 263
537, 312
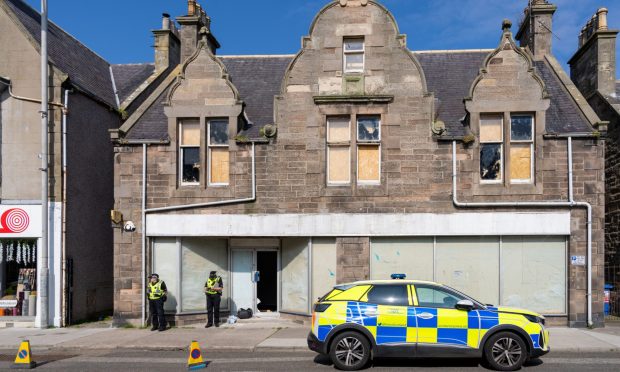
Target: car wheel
350, 351
505, 351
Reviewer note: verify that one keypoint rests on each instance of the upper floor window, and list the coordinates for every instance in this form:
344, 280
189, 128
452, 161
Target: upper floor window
339, 150
189, 151
219, 156
353, 54
369, 149
518, 142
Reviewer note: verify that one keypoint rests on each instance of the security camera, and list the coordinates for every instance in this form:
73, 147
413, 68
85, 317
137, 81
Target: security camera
129, 226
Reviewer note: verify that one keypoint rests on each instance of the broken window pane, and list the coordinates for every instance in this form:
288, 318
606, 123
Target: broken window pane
491, 162
368, 128
191, 164
338, 129
220, 165
491, 128
368, 158
521, 162
218, 132
353, 45
190, 133
521, 128
339, 164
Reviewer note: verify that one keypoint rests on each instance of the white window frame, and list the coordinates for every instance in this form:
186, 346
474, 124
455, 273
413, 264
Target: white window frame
211, 146
346, 53
502, 150
531, 142
331, 144
361, 143
181, 159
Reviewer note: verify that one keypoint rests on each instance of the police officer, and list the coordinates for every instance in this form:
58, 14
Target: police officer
157, 296
213, 290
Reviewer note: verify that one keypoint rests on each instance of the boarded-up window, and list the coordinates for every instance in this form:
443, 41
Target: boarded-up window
491, 148
410, 256
369, 149
295, 291
338, 150
219, 155
521, 148
165, 261
324, 266
189, 151
353, 54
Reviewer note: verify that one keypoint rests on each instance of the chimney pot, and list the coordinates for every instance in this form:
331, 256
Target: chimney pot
602, 18
165, 22
191, 7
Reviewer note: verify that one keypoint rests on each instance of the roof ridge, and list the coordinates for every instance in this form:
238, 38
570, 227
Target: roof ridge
258, 56
60, 28
453, 51
133, 64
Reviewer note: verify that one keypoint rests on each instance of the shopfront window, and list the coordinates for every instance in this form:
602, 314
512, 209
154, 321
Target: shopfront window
18, 286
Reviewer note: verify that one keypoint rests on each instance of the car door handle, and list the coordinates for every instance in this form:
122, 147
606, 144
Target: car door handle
425, 316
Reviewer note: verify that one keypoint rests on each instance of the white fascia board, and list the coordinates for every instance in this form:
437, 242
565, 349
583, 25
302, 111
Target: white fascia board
317, 225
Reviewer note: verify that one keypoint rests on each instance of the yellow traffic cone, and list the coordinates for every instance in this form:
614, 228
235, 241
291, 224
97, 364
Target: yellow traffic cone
195, 357
23, 360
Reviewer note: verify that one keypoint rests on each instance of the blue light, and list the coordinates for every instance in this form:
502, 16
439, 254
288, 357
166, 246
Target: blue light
399, 276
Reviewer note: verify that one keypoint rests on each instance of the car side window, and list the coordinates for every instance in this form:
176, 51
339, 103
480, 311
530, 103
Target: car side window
395, 295
436, 297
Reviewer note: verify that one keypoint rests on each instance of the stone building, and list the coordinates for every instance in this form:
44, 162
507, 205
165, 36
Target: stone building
593, 69
82, 110
356, 158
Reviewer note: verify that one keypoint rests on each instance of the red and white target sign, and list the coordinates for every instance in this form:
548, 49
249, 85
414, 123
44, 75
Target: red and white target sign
20, 221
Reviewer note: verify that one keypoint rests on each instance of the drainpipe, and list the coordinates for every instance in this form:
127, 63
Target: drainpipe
180, 207
542, 204
63, 217
26, 99
143, 209
44, 264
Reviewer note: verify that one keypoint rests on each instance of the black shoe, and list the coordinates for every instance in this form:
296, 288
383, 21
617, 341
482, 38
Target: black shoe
217, 325
209, 326
153, 329
162, 329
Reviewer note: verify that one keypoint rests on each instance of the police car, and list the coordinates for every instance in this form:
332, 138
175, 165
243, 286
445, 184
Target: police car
409, 318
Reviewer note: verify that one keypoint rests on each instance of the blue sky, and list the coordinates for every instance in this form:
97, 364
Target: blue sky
119, 30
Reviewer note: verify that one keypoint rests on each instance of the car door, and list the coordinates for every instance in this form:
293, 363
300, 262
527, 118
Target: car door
392, 301
439, 323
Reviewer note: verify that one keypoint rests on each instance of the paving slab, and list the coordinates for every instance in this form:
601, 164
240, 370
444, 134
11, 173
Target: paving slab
581, 340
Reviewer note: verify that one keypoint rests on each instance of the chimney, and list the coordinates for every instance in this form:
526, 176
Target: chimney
191, 24
536, 30
593, 67
167, 45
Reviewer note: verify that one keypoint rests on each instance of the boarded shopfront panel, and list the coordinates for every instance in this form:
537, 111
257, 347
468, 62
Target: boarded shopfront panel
199, 257
295, 275
534, 273
166, 264
324, 262
471, 265
410, 256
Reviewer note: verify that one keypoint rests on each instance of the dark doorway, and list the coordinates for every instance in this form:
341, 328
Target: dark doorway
267, 287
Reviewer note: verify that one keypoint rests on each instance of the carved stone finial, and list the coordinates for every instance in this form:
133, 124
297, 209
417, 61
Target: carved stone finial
506, 25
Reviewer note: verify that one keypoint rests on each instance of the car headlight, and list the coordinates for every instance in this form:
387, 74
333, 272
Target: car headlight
534, 319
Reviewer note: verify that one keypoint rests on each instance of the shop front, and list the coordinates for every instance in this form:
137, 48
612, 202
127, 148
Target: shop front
20, 233
522, 264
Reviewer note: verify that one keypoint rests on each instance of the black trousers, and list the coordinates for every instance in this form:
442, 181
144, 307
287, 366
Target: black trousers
156, 308
213, 308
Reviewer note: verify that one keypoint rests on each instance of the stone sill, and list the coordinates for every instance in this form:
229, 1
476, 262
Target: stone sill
384, 99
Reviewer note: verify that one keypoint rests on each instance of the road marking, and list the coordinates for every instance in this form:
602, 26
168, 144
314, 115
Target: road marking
112, 359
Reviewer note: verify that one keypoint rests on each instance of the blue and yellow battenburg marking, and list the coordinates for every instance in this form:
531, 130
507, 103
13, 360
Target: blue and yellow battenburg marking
408, 324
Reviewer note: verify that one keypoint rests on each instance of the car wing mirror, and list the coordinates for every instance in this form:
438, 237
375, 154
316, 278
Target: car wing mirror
466, 305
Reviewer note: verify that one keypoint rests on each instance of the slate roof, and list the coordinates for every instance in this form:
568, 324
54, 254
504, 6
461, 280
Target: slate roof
129, 77
86, 70
449, 75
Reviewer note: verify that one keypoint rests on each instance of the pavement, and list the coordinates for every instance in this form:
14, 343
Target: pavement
246, 335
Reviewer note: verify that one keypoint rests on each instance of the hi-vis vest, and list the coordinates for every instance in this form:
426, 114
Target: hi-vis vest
155, 292
212, 283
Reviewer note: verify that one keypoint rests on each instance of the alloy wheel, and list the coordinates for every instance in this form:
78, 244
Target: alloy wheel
349, 351
506, 352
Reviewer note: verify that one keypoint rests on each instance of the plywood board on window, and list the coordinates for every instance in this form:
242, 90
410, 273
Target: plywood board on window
339, 164
190, 133
521, 162
338, 130
491, 128
324, 266
368, 158
220, 165
410, 256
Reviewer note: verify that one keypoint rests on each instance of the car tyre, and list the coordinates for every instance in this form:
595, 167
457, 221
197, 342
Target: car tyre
505, 351
350, 351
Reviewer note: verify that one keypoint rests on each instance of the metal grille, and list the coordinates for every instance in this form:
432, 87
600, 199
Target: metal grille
612, 293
